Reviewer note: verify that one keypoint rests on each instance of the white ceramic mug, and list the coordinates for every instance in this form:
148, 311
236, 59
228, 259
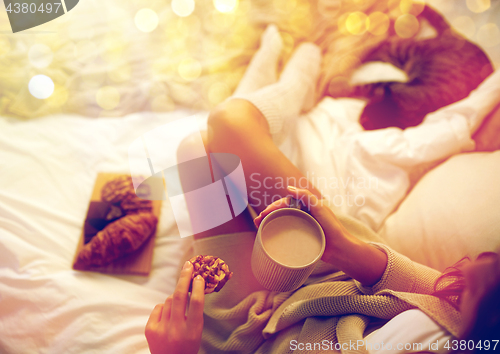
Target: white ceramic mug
288, 245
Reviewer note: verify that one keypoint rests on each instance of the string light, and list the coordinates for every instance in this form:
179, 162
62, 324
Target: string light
59, 97
488, 35
183, 8
226, 6
478, 6
41, 86
356, 23
40, 56
413, 7
146, 20
107, 97
406, 26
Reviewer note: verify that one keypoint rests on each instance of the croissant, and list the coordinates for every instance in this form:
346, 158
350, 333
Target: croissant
117, 239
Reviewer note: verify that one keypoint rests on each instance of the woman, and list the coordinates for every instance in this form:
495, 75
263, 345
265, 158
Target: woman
374, 281
477, 285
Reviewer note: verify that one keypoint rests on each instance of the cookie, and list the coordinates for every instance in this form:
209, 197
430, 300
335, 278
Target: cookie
213, 269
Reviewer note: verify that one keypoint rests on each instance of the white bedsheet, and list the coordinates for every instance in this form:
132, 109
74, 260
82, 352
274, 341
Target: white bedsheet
47, 170
366, 174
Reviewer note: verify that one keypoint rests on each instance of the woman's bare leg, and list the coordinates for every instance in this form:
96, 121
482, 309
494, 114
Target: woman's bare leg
189, 178
239, 128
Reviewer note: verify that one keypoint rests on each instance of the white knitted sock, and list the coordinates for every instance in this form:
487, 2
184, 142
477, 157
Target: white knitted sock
262, 68
293, 93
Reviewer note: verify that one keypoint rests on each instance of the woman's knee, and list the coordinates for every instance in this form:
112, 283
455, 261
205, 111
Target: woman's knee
233, 116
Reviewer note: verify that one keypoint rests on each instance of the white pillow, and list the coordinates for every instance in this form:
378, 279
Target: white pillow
453, 211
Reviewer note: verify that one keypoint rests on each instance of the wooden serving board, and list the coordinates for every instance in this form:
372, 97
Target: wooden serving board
135, 263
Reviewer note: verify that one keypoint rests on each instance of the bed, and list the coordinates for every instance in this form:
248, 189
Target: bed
52, 150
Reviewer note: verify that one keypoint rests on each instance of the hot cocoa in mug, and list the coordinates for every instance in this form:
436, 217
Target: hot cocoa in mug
287, 247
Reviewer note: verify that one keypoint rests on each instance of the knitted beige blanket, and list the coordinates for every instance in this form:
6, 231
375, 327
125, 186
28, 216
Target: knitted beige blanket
245, 318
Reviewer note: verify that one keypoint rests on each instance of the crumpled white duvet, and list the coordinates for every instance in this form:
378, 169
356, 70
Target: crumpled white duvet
47, 171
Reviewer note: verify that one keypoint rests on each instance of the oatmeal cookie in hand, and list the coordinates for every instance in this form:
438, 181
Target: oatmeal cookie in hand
213, 269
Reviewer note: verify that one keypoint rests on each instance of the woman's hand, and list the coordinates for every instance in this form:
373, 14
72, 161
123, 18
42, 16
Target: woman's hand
169, 328
335, 233
356, 258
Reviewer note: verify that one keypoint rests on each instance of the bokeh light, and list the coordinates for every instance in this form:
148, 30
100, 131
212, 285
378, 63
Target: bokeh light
413, 7
464, 25
146, 20
115, 47
393, 8
4, 45
341, 23
356, 23
41, 86
488, 35
226, 6
478, 6
378, 23
406, 26
182, 8
107, 97
189, 69
59, 97
40, 56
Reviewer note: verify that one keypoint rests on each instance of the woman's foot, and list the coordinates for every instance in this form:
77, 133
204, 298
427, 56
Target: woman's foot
293, 93
262, 68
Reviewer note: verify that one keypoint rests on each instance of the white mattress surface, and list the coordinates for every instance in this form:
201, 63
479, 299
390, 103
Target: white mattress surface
47, 171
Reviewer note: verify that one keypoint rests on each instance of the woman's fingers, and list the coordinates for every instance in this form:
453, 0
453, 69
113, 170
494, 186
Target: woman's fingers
179, 299
196, 303
278, 204
167, 309
312, 202
155, 316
